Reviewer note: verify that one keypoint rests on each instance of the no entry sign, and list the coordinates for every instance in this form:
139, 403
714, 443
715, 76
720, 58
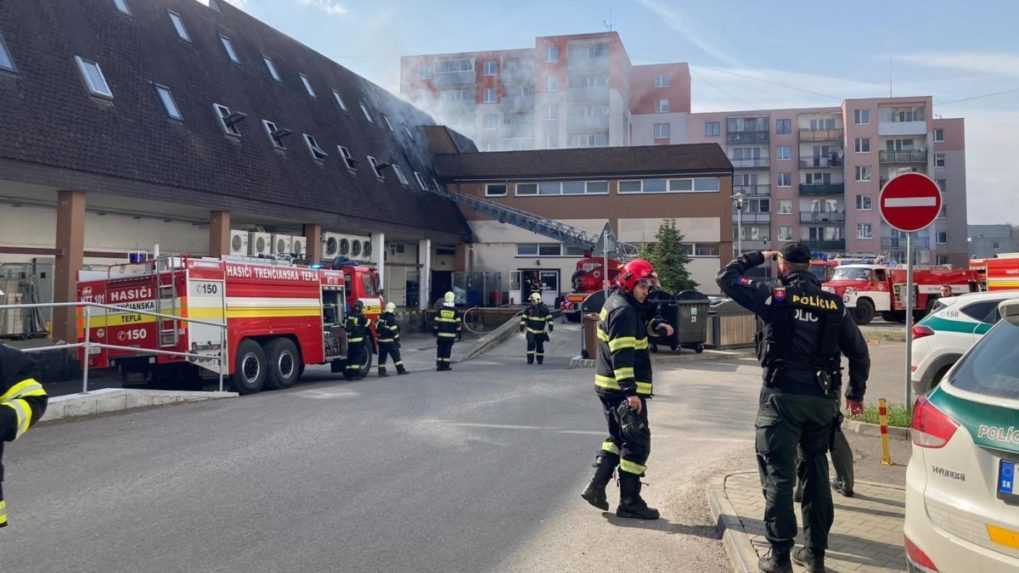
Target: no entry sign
910, 202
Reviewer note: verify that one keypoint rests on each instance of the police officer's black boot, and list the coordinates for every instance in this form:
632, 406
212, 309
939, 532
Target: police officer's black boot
811, 559
631, 505
595, 492
776, 561
382, 372
400, 369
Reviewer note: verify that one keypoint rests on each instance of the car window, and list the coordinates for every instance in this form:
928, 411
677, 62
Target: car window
991, 367
938, 305
846, 273
979, 310
369, 285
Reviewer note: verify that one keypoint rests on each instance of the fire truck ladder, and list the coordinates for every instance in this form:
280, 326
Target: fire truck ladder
544, 226
168, 333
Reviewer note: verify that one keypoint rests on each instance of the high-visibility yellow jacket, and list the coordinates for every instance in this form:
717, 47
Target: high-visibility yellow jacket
447, 324
22, 403
624, 362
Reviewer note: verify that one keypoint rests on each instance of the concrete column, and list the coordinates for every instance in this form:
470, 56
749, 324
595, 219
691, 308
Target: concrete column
379, 250
462, 261
424, 273
219, 233
70, 253
313, 236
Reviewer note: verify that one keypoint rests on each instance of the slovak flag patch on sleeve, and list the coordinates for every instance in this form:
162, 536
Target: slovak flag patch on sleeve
778, 293
744, 281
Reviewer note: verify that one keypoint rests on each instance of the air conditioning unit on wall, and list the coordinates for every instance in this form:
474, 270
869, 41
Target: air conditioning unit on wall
299, 247
239, 243
330, 245
282, 245
260, 244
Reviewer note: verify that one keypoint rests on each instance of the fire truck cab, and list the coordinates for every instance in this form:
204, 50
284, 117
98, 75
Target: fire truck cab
588, 278
273, 317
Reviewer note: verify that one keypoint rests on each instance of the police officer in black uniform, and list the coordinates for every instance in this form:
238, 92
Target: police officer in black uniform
359, 334
805, 332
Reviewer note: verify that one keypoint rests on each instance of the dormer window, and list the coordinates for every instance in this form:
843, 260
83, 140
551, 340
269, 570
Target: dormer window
375, 167
367, 114
122, 6
94, 78
172, 111
228, 120
348, 159
385, 118
275, 134
339, 100
178, 25
317, 152
307, 85
6, 62
400, 175
421, 182
228, 45
269, 65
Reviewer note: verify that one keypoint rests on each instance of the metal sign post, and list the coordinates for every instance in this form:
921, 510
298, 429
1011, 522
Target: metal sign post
910, 303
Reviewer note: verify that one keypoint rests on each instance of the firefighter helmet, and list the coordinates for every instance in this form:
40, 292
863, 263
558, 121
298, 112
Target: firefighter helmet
535, 297
449, 299
634, 272
358, 307
390, 307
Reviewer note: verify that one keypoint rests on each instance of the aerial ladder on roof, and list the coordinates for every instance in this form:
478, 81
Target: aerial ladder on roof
551, 228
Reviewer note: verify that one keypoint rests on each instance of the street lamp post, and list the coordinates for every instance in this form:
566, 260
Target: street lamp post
739, 198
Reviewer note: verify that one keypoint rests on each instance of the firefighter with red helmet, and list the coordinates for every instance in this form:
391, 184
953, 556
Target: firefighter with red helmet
22, 404
623, 384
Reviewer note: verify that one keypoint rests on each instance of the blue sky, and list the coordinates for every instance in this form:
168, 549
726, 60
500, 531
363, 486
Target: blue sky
742, 54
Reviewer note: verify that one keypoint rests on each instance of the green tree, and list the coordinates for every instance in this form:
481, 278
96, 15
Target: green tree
667, 255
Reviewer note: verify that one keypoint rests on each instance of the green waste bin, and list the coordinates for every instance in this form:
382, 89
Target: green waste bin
692, 319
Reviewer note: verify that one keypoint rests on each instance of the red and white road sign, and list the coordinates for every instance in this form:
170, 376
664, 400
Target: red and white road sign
910, 202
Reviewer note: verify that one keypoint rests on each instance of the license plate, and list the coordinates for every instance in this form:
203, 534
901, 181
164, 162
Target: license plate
1007, 476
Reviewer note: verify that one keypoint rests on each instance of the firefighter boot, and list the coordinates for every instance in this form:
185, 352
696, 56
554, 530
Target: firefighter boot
631, 505
400, 369
776, 561
811, 559
530, 358
382, 372
595, 492
541, 359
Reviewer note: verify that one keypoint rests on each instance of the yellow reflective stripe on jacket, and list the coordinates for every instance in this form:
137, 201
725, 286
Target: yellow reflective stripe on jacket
641, 344
632, 467
440, 319
610, 447
623, 373
622, 343
3, 513
602, 335
24, 389
23, 412
603, 315
355, 340
644, 388
447, 335
606, 382
536, 330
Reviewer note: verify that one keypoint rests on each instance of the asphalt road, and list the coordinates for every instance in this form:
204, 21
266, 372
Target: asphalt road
474, 470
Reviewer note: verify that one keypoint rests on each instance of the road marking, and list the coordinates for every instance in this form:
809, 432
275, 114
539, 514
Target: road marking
326, 394
911, 202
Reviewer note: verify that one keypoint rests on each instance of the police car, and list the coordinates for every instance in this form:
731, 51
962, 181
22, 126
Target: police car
962, 482
953, 325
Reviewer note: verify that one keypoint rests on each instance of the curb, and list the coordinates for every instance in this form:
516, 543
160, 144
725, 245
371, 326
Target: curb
740, 551
581, 362
119, 399
874, 430
492, 339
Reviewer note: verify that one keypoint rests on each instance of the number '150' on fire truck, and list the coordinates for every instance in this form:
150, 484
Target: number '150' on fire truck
279, 317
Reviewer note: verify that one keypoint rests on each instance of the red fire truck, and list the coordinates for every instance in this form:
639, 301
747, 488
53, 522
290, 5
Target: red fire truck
279, 317
1002, 272
588, 278
870, 289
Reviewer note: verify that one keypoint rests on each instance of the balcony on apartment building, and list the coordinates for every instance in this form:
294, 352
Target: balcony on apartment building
747, 137
588, 94
756, 190
751, 218
903, 156
820, 135
895, 244
822, 216
459, 78
579, 122
836, 188
833, 161
520, 103
750, 162
830, 245
902, 124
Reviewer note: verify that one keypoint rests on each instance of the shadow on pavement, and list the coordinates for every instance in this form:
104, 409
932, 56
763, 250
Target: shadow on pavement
662, 524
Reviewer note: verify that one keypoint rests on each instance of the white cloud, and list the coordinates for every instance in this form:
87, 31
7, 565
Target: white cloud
678, 20
993, 63
330, 7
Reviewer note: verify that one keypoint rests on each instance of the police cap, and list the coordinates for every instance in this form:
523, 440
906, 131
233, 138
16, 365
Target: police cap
796, 253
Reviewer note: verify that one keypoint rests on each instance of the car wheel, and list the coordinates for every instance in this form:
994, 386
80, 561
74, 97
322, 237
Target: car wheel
864, 311
250, 368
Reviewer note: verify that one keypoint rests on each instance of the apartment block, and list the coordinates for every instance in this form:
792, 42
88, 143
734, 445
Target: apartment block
567, 91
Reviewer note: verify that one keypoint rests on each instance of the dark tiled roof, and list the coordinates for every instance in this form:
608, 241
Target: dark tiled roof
50, 119
585, 162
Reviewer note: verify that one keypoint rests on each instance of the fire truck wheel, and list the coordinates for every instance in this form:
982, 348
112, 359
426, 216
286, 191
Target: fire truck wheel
250, 369
284, 363
864, 311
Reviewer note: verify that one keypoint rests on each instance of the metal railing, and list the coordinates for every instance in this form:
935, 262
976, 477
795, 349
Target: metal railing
822, 216
820, 162
747, 137
815, 135
822, 188
88, 344
908, 156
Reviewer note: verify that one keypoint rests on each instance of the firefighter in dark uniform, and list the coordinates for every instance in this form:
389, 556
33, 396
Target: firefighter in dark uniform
447, 326
623, 384
805, 332
389, 340
22, 404
359, 336
537, 323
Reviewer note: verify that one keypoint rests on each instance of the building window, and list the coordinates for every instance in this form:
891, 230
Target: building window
785, 152
178, 25
490, 121
94, 78
597, 188
389, 124
551, 84
6, 62
421, 182
348, 158
122, 6
862, 173
375, 167
939, 135
552, 54
168, 103
785, 207
339, 100
228, 45
662, 130
944, 210
864, 203
307, 85
942, 237
317, 152
783, 126
272, 69
425, 72
861, 116
785, 180
491, 96
550, 188
663, 81
939, 159
943, 185
663, 105
942, 260
399, 175
552, 111
527, 189
275, 135
491, 67
367, 114
785, 233
864, 231
539, 250
495, 190
863, 145
227, 120
712, 129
